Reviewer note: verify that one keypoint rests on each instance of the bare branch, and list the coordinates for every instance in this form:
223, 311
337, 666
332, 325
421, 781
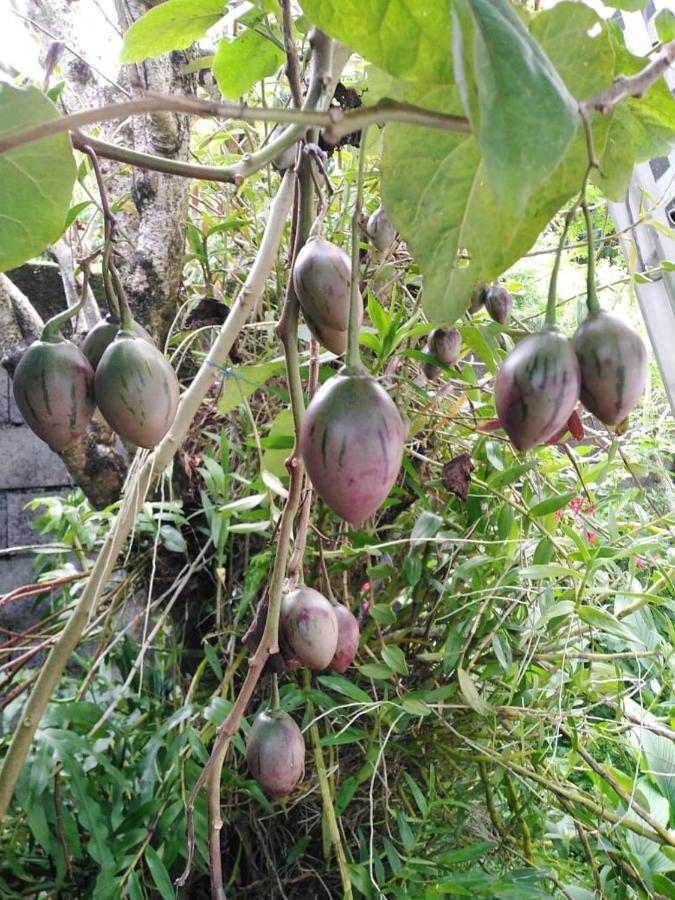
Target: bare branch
634, 85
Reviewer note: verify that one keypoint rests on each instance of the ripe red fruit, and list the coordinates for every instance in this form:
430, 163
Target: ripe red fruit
322, 277
136, 390
348, 639
54, 390
352, 441
275, 753
537, 388
613, 363
308, 627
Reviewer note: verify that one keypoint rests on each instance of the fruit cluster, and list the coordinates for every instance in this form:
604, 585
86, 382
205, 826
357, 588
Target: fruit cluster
58, 385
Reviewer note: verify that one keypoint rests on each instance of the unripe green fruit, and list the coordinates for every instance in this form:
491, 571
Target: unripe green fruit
136, 390
322, 278
352, 441
348, 639
309, 627
537, 388
613, 363
380, 230
54, 390
275, 753
103, 334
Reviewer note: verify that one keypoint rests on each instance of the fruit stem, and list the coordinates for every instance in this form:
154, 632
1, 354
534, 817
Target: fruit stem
126, 319
276, 702
592, 301
549, 321
353, 357
51, 331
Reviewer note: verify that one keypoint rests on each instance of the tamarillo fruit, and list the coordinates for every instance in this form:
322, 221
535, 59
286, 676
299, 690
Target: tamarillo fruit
103, 334
537, 388
308, 627
499, 303
54, 390
322, 276
352, 441
348, 639
136, 390
275, 753
613, 363
380, 230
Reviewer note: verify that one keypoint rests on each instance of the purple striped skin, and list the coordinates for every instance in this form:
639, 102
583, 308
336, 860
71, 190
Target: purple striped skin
498, 303
103, 334
351, 442
136, 390
54, 390
308, 627
275, 753
380, 230
445, 345
613, 363
348, 639
537, 388
322, 277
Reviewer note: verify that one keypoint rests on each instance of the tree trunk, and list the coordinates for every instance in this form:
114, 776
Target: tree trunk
153, 277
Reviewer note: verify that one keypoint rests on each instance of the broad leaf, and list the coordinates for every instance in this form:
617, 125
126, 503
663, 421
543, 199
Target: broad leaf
240, 63
37, 179
173, 25
406, 38
664, 23
628, 5
522, 114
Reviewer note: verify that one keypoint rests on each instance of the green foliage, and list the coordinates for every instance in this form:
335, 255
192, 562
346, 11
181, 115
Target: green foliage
172, 25
664, 23
37, 179
240, 63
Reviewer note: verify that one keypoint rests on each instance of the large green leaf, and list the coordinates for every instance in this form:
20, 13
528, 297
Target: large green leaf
628, 5
240, 63
37, 179
173, 25
405, 38
520, 110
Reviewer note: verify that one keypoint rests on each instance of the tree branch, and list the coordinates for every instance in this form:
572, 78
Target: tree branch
136, 491
634, 85
335, 121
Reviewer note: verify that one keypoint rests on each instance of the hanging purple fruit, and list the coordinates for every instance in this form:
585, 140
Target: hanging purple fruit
352, 441
136, 390
613, 363
445, 346
537, 388
54, 386
308, 628
103, 334
322, 276
498, 303
477, 301
380, 230
348, 639
275, 753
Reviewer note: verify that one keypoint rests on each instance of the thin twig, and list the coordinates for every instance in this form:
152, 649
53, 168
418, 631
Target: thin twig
634, 85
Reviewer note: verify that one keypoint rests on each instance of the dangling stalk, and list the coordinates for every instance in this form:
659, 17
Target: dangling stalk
592, 301
51, 331
109, 228
353, 355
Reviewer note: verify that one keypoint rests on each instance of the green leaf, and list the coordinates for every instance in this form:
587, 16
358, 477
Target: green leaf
628, 5
604, 621
406, 38
159, 874
239, 64
551, 504
395, 659
281, 433
664, 23
470, 693
344, 686
173, 25
552, 570
415, 707
376, 670
244, 381
37, 179
520, 110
